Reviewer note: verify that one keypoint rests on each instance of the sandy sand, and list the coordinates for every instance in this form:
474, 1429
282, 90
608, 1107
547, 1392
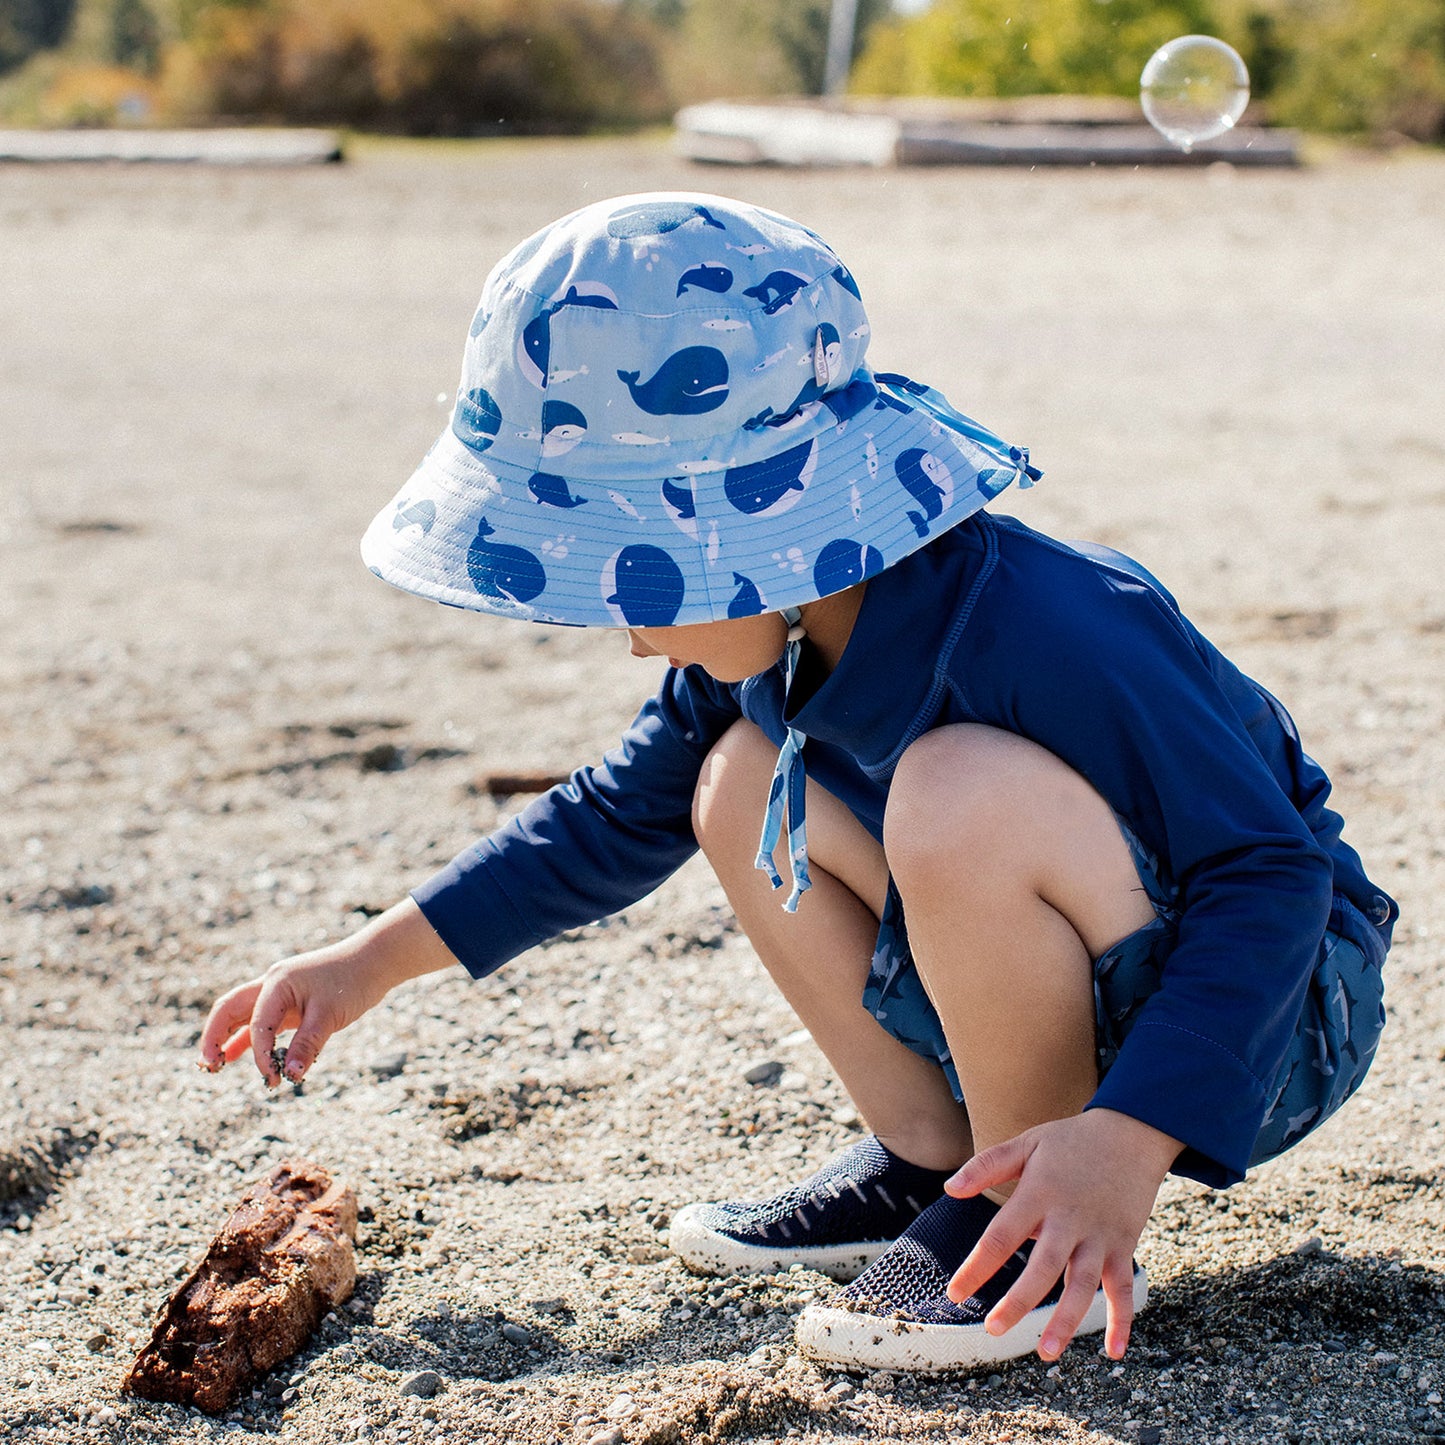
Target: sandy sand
226, 741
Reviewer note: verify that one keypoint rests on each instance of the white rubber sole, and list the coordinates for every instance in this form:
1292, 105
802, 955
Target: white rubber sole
704, 1251
862, 1341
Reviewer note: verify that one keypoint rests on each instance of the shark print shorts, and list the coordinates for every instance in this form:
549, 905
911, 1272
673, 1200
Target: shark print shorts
1334, 1042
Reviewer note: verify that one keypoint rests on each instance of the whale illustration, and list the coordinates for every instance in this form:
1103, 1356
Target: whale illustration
844, 277
639, 439
657, 218
646, 584
776, 290
706, 276
747, 600
477, 419
842, 563
563, 426
928, 481
725, 323
689, 382
992, 480
553, 490
534, 346
421, 514
766, 487
679, 500
500, 570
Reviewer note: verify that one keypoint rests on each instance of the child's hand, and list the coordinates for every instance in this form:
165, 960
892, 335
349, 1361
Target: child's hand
317, 994
1086, 1186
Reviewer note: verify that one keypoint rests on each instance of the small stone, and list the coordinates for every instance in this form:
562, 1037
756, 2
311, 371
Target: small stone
1151, 1435
764, 1075
1313, 1245
622, 1408
516, 1334
645, 1254
847, 1117
606, 1437
96, 1343
388, 1066
424, 1384
557, 1306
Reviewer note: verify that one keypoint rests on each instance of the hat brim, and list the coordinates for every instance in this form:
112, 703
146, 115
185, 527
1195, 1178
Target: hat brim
850, 490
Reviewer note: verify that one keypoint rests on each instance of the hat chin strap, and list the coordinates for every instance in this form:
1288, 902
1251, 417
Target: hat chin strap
789, 784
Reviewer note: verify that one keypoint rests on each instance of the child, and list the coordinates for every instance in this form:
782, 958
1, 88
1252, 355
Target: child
1076, 913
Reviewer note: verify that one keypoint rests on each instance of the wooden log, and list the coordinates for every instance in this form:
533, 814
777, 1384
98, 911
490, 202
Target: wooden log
228, 147
283, 1258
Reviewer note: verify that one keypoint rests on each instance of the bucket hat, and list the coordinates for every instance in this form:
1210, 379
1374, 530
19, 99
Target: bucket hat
665, 416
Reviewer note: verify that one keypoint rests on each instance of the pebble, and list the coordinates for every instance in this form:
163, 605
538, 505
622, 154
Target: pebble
1313, 1245
96, 1343
764, 1074
516, 1334
388, 1066
622, 1407
606, 1437
424, 1384
557, 1306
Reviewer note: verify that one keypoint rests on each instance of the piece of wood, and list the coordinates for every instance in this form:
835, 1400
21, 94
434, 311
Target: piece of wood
1036, 131
503, 785
283, 1258
230, 147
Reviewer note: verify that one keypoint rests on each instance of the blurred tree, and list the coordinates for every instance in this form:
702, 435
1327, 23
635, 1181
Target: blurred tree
758, 47
135, 36
27, 26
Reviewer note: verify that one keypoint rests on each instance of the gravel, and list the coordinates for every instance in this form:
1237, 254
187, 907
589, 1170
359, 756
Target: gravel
225, 742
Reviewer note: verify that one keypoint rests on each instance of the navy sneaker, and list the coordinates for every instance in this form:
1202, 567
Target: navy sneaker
837, 1221
897, 1315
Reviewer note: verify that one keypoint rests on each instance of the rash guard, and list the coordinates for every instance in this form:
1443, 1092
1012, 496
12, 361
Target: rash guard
1073, 646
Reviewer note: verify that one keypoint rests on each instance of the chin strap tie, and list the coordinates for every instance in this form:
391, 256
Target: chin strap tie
790, 785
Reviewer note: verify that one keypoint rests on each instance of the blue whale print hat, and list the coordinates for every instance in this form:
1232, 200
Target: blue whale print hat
665, 417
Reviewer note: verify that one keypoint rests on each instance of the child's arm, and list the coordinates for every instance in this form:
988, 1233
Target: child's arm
319, 993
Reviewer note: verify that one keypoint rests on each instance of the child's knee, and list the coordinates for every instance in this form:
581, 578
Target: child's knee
732, 787
967, 788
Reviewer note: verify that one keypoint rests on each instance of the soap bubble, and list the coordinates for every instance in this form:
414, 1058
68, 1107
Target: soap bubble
1193, 89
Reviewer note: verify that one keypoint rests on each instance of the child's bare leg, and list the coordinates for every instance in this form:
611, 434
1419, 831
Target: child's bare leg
1014, 877
819, 956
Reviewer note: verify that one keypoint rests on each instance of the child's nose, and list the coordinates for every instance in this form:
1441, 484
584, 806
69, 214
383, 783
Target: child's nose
637, 647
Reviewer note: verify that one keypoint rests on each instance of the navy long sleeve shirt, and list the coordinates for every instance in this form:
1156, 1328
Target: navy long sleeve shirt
1074, 647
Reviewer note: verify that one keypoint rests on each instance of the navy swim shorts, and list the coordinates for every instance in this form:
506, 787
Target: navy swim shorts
1335, 1037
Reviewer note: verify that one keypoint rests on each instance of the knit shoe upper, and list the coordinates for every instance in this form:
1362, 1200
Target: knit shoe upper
836, 1220
897, 1315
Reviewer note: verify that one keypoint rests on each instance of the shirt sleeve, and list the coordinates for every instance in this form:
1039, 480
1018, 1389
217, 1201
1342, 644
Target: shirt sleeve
1105, 674
590, 846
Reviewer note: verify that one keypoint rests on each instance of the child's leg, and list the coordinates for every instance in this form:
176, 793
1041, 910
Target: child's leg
819, 956
1014, 877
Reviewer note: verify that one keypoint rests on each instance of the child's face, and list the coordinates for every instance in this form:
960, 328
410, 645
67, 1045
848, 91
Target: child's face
729, 650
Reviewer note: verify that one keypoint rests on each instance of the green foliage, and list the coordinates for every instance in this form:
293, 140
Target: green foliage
1342, 65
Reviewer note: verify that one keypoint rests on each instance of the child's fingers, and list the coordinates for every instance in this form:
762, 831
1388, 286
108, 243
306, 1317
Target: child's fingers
228, 1014
991, 1168
996, 1245
1081, 1284
306, 1044
275, 1010
1046, 1263
239, 1043
1119, 1292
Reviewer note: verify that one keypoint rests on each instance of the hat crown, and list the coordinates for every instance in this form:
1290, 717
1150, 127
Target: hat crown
658, 335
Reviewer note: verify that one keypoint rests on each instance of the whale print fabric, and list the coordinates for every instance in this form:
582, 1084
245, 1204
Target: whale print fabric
666, 416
